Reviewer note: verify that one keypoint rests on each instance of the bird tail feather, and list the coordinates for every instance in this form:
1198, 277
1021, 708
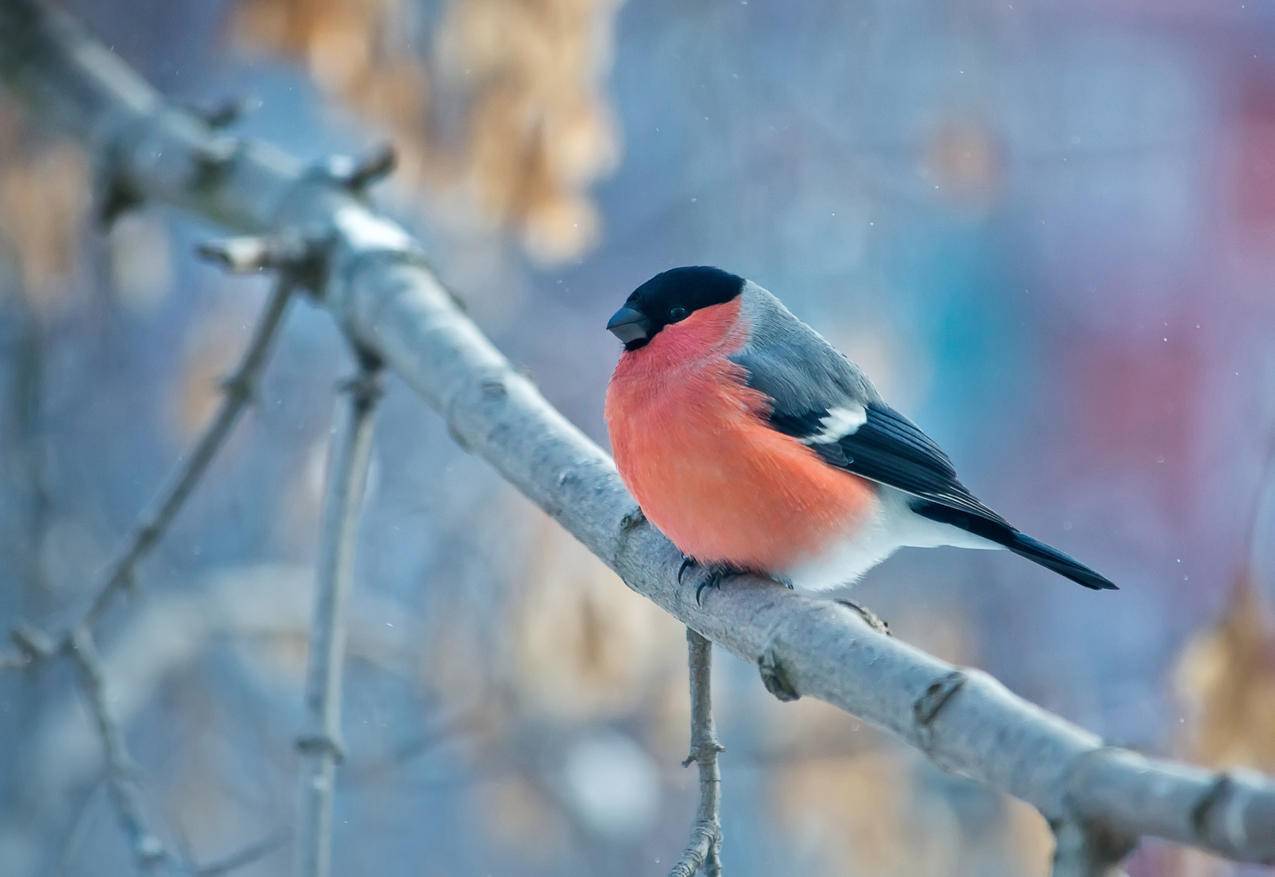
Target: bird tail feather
1016, 541
1051, 558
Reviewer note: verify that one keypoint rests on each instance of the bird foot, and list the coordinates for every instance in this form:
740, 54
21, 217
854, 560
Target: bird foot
713, 576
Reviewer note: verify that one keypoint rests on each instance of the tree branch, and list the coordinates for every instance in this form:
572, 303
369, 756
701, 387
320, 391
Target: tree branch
148, 851
239, 389
348, 459
705, 847
77, 642
244, 857
380, 290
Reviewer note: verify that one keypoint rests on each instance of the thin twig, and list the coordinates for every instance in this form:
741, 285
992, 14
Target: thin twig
357, 173
148, 851
705, 847
238, 390
464, 723
348, 458
1262, 498
35, 645
29, 466
1083, 851
14, 662
243, 857
81, 825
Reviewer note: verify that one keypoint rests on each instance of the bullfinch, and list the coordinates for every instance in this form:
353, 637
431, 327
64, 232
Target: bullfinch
755, 445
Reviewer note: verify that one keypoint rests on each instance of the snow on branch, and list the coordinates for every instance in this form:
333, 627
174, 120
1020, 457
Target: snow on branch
378, 287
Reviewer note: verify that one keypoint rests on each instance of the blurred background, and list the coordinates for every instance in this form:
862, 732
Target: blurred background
1045, 228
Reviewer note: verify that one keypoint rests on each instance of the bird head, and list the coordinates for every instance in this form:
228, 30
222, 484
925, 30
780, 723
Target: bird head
670, 297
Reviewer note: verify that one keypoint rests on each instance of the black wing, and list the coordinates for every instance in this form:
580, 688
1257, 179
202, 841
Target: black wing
888, 448
813, 388
821, 398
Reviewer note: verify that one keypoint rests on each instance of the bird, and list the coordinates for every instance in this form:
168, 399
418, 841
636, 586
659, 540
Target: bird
756, 446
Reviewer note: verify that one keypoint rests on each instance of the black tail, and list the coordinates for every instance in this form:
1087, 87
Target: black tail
1017, 542
1051, 558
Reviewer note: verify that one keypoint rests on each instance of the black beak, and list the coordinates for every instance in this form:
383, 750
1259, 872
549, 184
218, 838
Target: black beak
630, 325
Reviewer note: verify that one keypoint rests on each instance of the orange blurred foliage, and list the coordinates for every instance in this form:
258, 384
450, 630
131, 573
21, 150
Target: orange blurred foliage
964, 158
1226, 678
44, 198
523, 78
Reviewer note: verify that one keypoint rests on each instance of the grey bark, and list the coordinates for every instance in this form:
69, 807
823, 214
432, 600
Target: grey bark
77, 641
379, 289
121, 781
346, 478
705, 847
237, 391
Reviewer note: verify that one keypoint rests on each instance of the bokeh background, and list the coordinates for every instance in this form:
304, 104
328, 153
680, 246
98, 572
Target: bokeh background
1046, 228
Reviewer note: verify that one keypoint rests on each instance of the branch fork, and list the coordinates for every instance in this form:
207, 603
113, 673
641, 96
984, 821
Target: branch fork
35, 646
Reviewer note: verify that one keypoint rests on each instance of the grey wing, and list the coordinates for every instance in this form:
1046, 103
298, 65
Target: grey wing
792, 363
822, 399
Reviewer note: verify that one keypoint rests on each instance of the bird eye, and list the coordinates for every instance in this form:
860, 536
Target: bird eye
676, 315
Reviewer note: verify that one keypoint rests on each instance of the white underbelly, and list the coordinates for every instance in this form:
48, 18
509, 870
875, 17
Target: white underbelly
893, 526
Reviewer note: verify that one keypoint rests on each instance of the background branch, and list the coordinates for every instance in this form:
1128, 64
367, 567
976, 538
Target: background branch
244, 857
148, 851
705, 847
348, 458
77, 642
379, 289
239, 389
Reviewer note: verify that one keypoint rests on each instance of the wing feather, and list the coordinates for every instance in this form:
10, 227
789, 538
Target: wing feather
812, 386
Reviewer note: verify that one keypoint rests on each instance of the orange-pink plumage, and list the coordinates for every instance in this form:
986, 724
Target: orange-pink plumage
691, 442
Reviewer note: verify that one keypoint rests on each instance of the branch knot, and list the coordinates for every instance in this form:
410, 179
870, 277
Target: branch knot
34, 644
928, 706
1211, 802
703, 752
774, 678
321, 744
358, 173
294, 254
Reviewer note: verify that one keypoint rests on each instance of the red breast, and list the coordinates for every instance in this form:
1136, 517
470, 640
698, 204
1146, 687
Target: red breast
692, 443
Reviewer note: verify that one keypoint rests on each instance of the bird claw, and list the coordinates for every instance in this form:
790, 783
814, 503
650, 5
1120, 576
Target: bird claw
681, 570
713, 579
714, 575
